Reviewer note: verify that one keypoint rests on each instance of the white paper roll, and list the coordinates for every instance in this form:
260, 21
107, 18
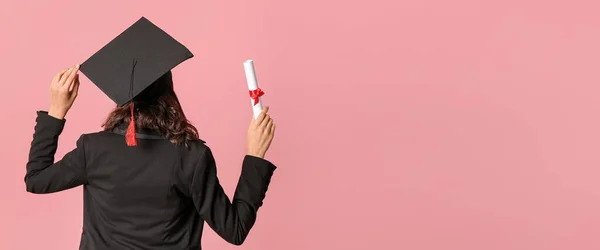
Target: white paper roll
252, 85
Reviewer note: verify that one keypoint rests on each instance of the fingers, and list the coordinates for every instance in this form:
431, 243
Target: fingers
261, 116
268, 126
272, 133
75, 86
64, 76
75, 90
58, 75
271, 128
264, 122
71, 78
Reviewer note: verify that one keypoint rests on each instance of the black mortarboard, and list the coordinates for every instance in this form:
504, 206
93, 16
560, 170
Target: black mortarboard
134, 60
131, 62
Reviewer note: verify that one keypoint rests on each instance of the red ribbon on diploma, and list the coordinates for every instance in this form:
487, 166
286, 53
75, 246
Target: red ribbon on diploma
255, 94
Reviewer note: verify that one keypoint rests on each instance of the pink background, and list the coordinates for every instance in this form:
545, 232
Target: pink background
417, 125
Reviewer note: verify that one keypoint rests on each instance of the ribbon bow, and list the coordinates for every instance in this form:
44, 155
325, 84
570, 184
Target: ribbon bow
255, 94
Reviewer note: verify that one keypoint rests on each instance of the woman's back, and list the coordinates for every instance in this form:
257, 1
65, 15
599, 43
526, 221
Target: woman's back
156, 195
139, 197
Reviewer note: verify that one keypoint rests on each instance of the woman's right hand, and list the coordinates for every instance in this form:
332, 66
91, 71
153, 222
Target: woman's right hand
260, 134
63, 91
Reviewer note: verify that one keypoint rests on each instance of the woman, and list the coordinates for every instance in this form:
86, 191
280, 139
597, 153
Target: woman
149, 182
155, 195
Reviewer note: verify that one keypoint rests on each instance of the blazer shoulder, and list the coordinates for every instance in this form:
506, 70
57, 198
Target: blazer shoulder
195, 148
92, 136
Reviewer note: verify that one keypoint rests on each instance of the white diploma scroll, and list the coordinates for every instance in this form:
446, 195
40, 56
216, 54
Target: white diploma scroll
252, 85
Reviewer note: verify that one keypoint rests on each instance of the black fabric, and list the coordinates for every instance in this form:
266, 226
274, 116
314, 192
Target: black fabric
134, 60
141, 133
154, 196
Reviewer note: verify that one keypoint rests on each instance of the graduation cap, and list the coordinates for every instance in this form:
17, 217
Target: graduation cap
132, 62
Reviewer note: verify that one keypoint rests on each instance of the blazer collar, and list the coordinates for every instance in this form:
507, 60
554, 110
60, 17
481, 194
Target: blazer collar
141, 133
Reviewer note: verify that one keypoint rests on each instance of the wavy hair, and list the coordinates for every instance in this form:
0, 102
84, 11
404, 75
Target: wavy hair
157, 108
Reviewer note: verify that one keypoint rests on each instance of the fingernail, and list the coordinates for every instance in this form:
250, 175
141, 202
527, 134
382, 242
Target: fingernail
77, 66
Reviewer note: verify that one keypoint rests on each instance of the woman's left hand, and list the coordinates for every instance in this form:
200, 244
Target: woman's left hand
63, 91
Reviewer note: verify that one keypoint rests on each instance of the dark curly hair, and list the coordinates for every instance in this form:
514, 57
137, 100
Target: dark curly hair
157, 108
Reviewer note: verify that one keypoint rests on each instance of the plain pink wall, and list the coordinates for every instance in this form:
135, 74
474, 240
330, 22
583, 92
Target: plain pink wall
419, 125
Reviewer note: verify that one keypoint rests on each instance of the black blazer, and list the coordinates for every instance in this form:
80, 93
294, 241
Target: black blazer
153, 196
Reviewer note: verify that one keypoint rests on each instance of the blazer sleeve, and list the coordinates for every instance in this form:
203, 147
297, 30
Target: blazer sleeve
232, 221
43, 174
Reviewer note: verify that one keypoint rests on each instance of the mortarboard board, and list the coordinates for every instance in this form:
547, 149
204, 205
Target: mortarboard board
132, 61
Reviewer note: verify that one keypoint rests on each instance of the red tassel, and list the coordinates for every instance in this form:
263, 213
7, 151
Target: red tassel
130, 136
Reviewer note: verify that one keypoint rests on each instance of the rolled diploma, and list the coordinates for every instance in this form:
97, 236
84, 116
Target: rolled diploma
252, 85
